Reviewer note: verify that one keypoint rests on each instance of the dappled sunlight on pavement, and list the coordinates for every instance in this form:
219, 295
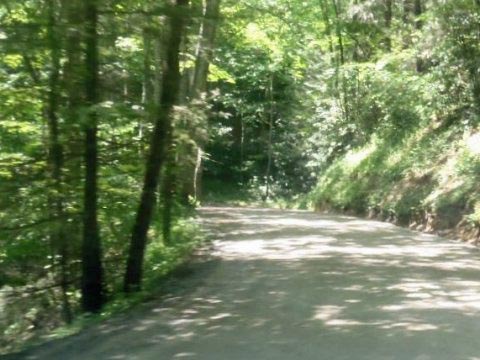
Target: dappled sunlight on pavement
298, 285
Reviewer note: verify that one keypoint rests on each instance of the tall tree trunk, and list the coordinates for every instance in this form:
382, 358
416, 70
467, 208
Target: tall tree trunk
328, 27
204, 56
197, 175
338, 29
148, 88
205, 48
56, 155
186, 81
418, 11
148, 55
159, 55
73, 12
270, 141
195, 89
336, 59
168, 188
237, 132
72, 69
342, 96
171, 81
406, 11
388, 24
92, 272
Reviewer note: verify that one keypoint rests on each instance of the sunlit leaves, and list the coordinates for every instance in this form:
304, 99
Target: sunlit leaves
128, 44
218, 74
13, 61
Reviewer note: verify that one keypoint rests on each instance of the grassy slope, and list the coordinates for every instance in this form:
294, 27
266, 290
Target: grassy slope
430, 181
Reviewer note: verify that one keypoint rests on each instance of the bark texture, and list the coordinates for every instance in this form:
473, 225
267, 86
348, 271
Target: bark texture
171, 81
92, 272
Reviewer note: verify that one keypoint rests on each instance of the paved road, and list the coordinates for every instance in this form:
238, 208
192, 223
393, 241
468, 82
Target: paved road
285, 285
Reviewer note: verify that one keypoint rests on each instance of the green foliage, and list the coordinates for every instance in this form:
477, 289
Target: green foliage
428, 173
31, 315
31, 257
390, 138
380, 107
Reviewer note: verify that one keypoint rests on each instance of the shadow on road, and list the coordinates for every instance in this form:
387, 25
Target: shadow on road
298, 285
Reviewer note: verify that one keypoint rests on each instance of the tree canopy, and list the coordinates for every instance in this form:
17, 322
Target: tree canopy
118, 117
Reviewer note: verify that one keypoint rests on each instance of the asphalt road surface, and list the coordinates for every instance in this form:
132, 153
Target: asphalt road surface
287, 285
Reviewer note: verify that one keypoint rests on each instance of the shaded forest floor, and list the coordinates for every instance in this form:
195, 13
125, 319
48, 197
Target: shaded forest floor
294, 284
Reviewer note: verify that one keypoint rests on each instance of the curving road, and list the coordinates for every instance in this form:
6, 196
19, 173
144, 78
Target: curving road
287, 285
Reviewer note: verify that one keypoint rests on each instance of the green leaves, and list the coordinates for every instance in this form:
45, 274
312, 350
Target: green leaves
218, 74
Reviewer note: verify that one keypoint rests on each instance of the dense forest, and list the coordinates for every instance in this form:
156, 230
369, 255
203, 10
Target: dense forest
119, 117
